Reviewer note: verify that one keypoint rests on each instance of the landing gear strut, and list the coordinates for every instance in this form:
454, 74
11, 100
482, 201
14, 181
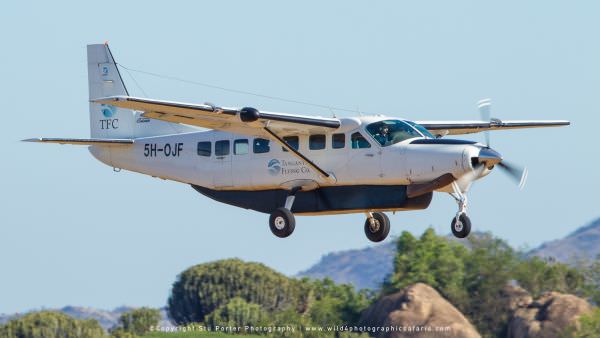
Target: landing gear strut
461, 224
377, 226
282, 221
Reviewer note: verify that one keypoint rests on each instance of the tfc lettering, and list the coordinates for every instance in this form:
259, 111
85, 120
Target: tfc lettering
168, 150
109, 124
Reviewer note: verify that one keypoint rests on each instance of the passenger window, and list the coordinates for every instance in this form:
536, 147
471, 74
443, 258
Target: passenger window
261, 146
222, 148
358, 141
316, 142
204, 148
292, 141
338, 141
240, 147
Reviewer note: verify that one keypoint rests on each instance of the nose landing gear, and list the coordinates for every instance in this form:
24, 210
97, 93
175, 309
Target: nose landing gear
461, 224
377, 226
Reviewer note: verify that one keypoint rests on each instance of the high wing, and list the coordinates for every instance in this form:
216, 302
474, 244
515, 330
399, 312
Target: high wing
442, 128
247, 121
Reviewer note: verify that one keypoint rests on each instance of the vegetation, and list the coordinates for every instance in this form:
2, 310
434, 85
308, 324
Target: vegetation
588, 326
432, 260
201, 289
50, 324
475, 279
537, 276
237, 312
136, 322
234, 293
189, 335
592, 277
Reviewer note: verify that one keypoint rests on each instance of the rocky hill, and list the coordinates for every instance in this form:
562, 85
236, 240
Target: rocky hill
367, 267
582, 244
364, 268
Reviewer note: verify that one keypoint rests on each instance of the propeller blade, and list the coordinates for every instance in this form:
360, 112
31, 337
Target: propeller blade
485, 109
515, 172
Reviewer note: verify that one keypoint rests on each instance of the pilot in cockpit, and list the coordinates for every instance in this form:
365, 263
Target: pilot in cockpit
383, 137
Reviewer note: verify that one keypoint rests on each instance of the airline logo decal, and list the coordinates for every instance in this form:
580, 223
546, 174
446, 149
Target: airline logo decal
283, 167
109, 122
274, 167
108, 111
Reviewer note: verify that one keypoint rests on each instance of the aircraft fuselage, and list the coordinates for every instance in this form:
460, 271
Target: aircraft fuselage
215, 162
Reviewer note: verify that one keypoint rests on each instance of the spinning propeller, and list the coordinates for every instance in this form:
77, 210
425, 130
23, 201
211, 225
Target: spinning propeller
490, 157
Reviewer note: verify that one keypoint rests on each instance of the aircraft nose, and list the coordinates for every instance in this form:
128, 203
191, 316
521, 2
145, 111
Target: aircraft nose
488, 156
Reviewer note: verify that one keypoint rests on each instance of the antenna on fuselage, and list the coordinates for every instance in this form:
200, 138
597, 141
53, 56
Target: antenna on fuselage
358, 111
332, 113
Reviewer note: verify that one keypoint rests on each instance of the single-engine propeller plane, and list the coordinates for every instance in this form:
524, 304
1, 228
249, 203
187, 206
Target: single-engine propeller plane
287, 164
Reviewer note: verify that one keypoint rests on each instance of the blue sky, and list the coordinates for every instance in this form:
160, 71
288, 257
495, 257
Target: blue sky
75, 232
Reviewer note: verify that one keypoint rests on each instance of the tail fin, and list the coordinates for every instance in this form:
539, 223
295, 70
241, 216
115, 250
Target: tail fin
105, 80
109, 122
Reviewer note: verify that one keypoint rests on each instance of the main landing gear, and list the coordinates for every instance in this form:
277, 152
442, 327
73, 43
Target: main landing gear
461, 224
377, 226
282, 221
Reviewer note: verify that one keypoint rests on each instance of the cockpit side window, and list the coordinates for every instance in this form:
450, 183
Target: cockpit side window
359, 141
389, 132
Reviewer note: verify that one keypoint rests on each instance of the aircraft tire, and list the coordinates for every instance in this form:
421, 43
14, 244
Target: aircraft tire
462, 228
282, 222
383, 227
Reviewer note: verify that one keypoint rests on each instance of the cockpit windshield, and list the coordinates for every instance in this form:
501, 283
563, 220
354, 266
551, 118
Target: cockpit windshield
390, 132
420, 128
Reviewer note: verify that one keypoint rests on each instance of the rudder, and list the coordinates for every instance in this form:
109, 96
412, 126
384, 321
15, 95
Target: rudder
105, 80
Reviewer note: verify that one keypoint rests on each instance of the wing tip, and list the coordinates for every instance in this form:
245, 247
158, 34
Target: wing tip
35, 139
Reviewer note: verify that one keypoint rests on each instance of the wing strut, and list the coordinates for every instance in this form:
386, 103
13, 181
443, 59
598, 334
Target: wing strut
298, 154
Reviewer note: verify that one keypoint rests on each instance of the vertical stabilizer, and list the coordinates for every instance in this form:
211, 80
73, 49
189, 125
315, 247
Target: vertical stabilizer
105, 80
109, 122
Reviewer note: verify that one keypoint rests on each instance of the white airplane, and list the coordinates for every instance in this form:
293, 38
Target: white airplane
285, 164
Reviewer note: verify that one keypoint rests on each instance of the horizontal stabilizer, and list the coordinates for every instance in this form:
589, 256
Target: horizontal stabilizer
83, 141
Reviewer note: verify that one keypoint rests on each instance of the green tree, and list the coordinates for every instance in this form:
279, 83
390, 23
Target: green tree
137, 321
237, 312
431, 259
50, 324
336, 304
592, 280
203, 288
489, 268
537, 276
121, 333
471, 279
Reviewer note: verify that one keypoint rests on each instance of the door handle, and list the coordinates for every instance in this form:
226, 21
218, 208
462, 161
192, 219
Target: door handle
369, 155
